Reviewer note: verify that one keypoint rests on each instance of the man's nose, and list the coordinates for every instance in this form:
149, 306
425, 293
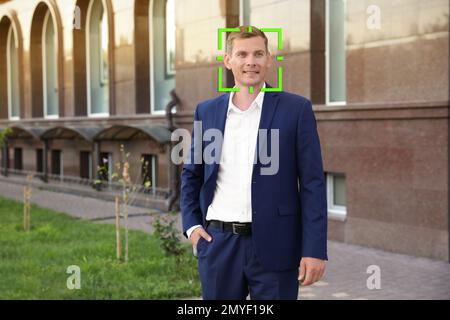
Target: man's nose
250, 61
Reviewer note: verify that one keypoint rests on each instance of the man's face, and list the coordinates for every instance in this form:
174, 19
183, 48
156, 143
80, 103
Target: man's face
249, 61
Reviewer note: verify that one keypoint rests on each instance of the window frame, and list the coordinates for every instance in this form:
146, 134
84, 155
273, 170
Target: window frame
104, 77
48, 19
88, 63
11, 32
170, 72
336, 212
151, 21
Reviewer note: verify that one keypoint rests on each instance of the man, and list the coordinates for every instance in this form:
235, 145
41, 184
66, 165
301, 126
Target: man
256, 233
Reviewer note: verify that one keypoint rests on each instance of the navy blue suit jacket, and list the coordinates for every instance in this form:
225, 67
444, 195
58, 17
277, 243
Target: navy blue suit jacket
289, 218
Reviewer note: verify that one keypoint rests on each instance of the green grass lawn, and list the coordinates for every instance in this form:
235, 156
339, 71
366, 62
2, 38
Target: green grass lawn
33, 265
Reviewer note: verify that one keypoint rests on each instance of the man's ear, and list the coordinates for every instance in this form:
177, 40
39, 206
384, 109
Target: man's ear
226, 61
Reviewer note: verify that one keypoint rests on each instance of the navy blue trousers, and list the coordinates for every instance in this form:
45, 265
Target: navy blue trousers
230, 270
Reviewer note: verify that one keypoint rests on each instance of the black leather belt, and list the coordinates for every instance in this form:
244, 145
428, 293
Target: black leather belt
241, 228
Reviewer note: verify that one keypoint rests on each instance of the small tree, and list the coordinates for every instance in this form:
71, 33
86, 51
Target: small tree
129, 191
26, 203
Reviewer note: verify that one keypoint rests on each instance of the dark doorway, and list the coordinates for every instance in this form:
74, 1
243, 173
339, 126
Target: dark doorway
39, 160
56, 162
105, 163
148, 169
18, 160
85, 164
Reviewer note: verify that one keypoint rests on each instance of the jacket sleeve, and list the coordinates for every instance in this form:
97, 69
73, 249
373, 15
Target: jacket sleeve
191, 183
312, 186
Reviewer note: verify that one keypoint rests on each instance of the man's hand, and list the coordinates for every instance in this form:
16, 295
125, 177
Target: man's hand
197, 234
311, 270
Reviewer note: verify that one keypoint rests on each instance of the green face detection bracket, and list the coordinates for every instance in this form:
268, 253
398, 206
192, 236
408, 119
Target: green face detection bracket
220, 88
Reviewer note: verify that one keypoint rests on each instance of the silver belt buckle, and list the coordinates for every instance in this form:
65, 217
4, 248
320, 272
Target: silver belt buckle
237, 225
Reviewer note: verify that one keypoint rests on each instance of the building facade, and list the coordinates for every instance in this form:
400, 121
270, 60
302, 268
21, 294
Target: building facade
81, 78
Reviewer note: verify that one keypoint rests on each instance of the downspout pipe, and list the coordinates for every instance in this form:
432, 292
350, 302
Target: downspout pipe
173, 172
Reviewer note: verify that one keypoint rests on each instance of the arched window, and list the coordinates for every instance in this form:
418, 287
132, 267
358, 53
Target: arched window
46, 62
162, 52
12, 64
97, 60
49, 67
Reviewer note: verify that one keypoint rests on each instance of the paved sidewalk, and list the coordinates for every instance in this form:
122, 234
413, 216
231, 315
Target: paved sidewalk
87, 208
402, 276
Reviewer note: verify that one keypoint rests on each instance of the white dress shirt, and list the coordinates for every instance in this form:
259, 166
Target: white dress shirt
232, 196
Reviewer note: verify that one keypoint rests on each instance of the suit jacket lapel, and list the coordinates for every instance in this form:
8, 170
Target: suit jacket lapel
220, 117
220, 114
268, 110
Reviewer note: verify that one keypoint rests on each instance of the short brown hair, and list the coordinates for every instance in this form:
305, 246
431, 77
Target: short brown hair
245, 33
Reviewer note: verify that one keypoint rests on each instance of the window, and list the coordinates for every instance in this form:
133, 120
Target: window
57, 163
244, 12
85, 165
162, 52
18, 160
103, 52
170, 38
49, 67
335, 52
97, 41
336, 195
149, 170
13, 76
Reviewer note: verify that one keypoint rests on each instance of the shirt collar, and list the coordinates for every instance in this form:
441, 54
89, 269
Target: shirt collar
258, 101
